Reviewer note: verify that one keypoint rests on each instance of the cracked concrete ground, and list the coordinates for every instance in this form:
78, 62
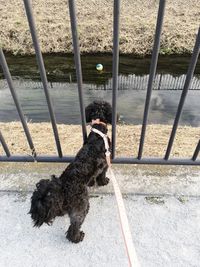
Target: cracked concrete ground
163, 207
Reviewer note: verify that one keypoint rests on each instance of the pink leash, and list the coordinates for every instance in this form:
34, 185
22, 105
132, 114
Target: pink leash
130, 249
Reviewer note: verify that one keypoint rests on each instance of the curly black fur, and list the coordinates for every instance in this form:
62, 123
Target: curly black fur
68, 194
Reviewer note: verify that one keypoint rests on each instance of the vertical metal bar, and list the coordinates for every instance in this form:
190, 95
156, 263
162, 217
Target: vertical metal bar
188, 79
16, 100
40, 62
77, 59
5, 147
196, 152
115, 69
153, 66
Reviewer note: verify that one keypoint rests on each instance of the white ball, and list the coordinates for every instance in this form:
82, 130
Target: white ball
99, 67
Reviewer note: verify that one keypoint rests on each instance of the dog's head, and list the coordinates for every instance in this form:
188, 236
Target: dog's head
99, 110
46, 201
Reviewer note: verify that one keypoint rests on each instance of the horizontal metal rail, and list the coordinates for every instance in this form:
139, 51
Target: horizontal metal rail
16, 101
42, 70
157, 161
188, 80
5, 147
150, 161
152, 73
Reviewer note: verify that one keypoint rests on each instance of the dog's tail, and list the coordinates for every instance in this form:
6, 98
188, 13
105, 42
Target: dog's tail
45, 201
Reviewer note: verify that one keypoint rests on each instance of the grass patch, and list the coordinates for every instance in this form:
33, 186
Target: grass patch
95, 23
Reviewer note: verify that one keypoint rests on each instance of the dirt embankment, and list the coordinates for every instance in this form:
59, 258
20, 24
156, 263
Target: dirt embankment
95, 22
128, 137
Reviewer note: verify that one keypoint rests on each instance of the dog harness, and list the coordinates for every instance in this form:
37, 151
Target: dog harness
105, 139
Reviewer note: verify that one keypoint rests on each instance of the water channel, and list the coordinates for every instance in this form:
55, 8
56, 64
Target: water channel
133, 79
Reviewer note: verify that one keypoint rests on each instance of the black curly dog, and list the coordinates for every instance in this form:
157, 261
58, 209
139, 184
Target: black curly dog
68, 194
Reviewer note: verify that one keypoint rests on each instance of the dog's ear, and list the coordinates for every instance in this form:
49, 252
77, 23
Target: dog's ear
42, 183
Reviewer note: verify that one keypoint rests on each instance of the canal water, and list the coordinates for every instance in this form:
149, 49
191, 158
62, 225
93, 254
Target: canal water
133, 79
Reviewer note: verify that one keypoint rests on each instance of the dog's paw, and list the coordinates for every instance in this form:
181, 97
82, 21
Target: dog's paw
102, 182
75, 238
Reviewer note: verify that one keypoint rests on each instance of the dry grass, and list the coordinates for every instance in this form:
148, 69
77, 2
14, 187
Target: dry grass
127, 139
138, 20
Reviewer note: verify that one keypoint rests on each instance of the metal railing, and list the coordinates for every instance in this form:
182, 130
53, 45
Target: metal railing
166, 160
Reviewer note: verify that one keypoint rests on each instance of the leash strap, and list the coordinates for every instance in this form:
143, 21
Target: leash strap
130, 249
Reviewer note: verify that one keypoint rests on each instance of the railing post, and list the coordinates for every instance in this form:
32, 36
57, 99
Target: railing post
40, 62
77, 59
16, 101
153, 66
5, 147
196, 152
188, 80
115, 68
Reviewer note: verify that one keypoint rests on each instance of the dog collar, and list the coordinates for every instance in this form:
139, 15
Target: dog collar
97, 121
105, 139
